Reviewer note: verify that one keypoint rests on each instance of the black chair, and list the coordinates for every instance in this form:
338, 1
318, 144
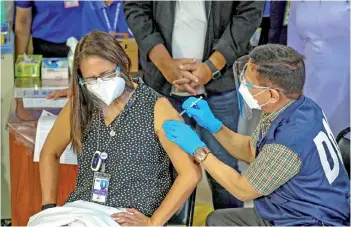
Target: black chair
344, 145
185, 214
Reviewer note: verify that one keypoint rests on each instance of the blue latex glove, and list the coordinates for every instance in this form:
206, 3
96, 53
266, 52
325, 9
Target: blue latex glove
183, 136
202, 114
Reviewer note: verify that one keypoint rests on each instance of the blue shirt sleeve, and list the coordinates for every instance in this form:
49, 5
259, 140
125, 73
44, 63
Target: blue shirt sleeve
24, 4
267, 8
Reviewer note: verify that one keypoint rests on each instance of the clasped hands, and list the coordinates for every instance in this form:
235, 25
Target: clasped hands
186, 74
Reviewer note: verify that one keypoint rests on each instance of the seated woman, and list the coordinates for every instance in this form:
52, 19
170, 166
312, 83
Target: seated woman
119, 121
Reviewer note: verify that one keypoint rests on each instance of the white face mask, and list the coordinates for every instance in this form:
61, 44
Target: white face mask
249, 98
108, 90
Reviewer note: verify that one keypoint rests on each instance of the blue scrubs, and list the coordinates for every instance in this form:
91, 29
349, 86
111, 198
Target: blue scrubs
98, 16
54, 21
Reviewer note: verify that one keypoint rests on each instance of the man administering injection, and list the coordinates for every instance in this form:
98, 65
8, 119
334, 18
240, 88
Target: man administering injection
295, 174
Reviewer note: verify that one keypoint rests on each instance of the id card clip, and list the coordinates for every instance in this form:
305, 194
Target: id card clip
96, 161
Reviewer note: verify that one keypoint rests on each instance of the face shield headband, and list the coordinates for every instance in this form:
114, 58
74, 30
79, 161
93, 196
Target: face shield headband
246, 101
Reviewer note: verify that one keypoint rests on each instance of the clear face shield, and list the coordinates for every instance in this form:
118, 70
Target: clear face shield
247, 100
239, 68
104, 90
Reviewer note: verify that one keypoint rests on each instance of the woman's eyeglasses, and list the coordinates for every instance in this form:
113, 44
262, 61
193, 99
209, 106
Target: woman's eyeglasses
104, 77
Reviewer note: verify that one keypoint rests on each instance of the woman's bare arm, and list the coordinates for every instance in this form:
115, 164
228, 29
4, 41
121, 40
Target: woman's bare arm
60, 93
55, 144
23, 25
189, 174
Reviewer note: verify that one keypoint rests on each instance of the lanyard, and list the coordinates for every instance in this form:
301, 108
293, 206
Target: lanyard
107, 19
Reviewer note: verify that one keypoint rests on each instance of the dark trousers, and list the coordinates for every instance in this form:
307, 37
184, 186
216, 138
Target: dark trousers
265, 25
225, 107
49, 49
235, 217
277, 31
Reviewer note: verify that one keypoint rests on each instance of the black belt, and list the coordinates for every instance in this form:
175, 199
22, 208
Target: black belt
49, 49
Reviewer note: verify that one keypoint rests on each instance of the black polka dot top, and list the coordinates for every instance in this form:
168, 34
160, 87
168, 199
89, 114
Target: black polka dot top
137, 163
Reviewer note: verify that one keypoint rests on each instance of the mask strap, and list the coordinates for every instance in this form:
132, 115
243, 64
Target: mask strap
265, 104
260, 92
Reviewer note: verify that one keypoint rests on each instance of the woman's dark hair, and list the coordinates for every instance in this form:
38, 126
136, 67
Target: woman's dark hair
281, 66
102, 45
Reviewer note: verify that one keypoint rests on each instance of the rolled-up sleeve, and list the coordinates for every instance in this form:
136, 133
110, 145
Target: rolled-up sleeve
273, 167
235, 39
140, 22
24, 4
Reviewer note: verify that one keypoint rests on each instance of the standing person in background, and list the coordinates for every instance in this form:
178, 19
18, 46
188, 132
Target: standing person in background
274, 22
265, 24
278, 22
320, 31
107, 16
187, 48
50, 23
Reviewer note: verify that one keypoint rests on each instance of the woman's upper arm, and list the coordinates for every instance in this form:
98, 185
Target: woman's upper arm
181, 161
59, 135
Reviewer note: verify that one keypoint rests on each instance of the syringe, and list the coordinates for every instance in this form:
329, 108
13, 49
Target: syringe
192, 104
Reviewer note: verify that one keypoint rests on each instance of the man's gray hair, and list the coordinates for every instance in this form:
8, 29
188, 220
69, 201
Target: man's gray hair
281, 67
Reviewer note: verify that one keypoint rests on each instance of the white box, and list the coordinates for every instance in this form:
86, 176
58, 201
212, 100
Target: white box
44, 103
54, 68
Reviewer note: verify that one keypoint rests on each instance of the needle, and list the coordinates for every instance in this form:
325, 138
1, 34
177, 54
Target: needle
192, 104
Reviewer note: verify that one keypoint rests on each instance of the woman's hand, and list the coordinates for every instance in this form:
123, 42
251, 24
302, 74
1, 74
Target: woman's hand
132, 218
60, 93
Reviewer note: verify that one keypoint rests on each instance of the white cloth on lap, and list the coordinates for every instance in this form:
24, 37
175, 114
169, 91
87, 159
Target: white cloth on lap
76, 214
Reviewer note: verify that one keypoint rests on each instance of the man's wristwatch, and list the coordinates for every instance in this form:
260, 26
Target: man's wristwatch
47, 206
201, 154
215, 73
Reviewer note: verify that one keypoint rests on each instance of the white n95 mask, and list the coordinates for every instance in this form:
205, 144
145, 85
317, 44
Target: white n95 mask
248, 97
107, 91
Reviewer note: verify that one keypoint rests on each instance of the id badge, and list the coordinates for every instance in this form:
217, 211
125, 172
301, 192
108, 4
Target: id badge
100, 187
71, 3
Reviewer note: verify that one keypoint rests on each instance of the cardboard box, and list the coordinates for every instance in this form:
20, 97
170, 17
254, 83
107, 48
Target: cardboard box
29, 67
130, 46
54, 68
